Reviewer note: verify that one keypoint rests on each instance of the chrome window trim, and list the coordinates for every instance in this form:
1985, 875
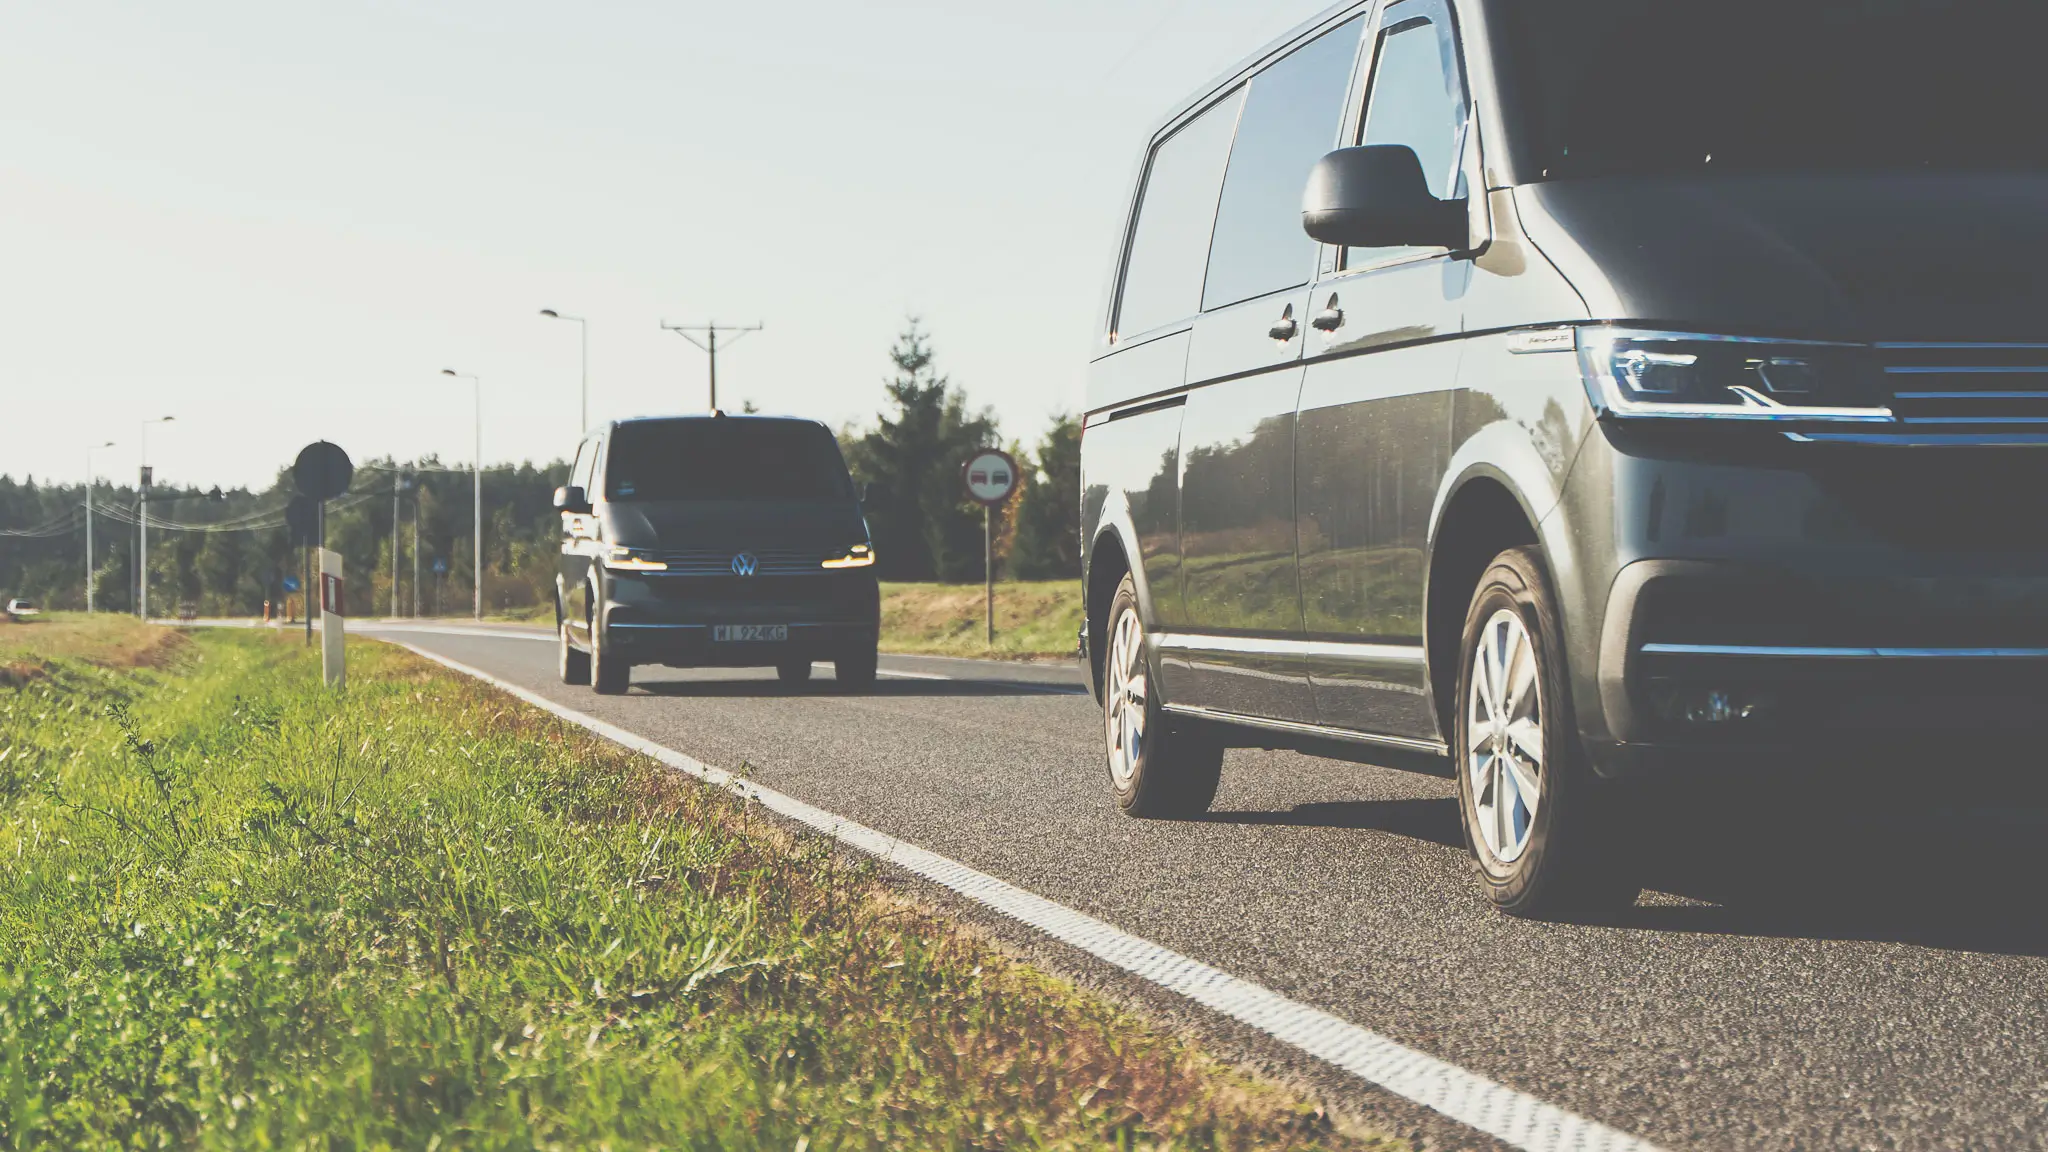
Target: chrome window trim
1362, 653
1838, 653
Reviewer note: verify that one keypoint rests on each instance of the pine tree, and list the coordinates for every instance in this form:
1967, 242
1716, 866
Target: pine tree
924, 526
1048, 541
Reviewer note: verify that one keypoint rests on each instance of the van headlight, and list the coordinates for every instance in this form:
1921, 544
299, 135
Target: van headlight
1673, 375
633, 560
858, 556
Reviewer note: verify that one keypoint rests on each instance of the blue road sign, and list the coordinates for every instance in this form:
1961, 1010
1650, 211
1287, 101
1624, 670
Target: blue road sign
291, 583
440, 566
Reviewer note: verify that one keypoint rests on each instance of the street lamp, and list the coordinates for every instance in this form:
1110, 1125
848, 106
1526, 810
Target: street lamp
583, 326
90, 449
477, 471
142, 552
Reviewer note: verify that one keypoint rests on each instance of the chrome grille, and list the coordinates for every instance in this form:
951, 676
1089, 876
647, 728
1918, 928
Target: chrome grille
767, 563
1968, 388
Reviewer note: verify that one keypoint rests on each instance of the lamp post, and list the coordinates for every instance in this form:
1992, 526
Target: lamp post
477, 472
142, 552
583, 326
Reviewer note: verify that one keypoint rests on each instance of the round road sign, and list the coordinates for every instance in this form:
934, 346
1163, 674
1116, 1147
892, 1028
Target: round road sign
322, 471
991, 475
302, 520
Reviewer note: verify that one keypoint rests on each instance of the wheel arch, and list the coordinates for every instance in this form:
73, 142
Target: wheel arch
1480, 516
1109, 560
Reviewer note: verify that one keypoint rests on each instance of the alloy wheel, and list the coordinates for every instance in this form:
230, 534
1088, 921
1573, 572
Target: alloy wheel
1504, 737
1125, 697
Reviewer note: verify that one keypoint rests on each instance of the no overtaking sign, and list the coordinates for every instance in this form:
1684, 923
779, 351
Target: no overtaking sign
990, 475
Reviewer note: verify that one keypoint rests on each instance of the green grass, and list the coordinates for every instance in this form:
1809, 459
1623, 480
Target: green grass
242, 912
1033, 619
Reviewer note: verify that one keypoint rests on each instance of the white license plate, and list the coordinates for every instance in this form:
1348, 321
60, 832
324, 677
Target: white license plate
750, 632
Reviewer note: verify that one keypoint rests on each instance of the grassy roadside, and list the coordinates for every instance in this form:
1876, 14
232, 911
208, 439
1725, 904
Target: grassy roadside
1033, 619
243, 913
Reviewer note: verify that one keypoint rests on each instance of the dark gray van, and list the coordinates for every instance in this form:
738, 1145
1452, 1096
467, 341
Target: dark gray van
1584, 394
722, 541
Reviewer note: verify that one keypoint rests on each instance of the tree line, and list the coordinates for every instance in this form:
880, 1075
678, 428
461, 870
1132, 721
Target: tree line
227, 552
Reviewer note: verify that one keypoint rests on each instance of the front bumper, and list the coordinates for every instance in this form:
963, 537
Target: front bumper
1700, 659
666, 619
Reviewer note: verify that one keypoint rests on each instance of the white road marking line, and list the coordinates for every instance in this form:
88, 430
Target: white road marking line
1519, 1120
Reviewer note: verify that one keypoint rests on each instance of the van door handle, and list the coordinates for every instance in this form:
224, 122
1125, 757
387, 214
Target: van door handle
1329, 319
1285, 329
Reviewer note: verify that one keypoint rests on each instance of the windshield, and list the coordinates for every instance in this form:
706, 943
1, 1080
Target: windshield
726, 459
1625, 87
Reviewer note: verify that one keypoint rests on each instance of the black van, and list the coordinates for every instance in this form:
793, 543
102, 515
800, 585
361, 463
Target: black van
1587, 394
725, 541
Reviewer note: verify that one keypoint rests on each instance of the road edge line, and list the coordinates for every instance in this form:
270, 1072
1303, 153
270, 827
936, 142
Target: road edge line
1515, 1118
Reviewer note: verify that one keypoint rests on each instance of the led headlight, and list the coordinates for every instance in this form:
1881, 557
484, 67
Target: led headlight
632, 560
1675, 375
858, 556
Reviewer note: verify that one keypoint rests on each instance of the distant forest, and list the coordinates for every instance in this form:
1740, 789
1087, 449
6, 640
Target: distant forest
224, 553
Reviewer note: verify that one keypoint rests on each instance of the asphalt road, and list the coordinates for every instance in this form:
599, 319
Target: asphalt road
1759, 1000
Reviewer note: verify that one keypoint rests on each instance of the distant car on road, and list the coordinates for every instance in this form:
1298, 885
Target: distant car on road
1461, 393
188, 611
723, 541
21, 609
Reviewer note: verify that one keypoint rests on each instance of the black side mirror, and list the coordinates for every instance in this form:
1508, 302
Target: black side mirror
571, 499
1377, 197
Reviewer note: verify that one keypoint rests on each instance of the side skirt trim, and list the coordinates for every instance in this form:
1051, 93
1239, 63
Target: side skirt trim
1430, 747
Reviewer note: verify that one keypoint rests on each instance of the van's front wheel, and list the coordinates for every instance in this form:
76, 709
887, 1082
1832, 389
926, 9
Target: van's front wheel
610, 674
1158, 766
1546, 834
575, 663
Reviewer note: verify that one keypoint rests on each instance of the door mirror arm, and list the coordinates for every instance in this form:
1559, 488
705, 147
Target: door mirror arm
1376, 196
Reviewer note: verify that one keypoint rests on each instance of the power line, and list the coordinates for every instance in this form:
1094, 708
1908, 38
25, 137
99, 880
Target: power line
710, 343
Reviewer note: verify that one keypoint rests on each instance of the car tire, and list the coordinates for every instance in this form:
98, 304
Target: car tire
855, 671
1159, 765
609, 675
793, 671
575, 662
1546, 835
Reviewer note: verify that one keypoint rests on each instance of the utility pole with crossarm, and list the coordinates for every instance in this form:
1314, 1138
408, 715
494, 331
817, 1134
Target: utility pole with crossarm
710, 343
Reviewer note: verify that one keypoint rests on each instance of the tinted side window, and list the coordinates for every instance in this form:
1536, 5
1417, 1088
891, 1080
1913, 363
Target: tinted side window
1176, 214
1417, 99
586, 467
1290, 120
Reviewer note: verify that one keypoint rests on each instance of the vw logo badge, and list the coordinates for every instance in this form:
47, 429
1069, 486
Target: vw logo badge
743, 564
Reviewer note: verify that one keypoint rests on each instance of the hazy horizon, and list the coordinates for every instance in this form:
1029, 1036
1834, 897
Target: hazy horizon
279, 225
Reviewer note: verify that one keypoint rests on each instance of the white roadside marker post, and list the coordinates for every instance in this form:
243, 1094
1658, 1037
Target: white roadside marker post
333, 668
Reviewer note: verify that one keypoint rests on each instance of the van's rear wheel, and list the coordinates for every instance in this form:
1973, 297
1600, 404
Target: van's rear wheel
1158, 766
575, 663
1547, 836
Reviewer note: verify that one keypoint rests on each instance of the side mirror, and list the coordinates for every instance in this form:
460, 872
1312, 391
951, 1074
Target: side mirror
572, 500
1377, 197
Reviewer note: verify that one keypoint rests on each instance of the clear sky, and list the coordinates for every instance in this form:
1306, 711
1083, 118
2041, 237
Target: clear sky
278, 221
